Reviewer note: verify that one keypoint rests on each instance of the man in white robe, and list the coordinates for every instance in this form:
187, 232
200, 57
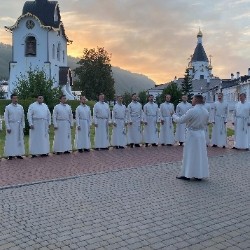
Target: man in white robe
241, 122
208, 108
135, 120
119, 121
63, 123
39, 118
219, 120
151, 120
102, 120
167, 127
83, 124
195, 160
15, 123
181, 109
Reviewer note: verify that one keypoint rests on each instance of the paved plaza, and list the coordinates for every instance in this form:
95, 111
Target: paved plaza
124, 199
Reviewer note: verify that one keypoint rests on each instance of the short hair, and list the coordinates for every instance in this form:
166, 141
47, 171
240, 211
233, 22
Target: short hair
37, 95
199, 98
12, 95
61, 96
133, 94
150, 96
167, 95
243, 94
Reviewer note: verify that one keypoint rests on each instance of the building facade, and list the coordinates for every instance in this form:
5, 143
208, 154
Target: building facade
39, 42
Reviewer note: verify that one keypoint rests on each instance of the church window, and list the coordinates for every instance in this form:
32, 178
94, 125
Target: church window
53, 51
30, 46
58, 51
63, 55
201, 77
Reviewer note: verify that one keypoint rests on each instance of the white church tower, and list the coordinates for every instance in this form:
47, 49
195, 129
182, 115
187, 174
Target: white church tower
39, 42
199, 66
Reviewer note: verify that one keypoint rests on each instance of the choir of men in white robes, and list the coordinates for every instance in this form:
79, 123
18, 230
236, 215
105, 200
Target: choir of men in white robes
241, 121
219, 120
135, 120
195, 160
167, 128
39, 118
102, 120
181, 109
151, 120
15, 123
63, 123
83, 124
119, 121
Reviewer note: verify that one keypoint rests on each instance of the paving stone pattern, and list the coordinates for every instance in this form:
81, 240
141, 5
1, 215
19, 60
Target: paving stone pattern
137, 208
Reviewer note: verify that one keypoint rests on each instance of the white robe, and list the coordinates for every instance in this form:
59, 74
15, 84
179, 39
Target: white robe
208, 108
63, 121
119, 117
135, 115
241, 122
195, 160
166, 129
15, 121
151, 117
101, 118
39, 116
83, 120
219, 118
181, 109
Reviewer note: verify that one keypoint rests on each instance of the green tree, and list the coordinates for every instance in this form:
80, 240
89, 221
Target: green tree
2, 93
173, 90
126, 98
143, 97
186, 86
94, 75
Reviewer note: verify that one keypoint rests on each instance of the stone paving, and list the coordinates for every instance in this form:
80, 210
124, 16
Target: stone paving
128, 205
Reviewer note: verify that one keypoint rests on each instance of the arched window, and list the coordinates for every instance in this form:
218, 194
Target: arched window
30, 46
63, 56
53, 51
58, 51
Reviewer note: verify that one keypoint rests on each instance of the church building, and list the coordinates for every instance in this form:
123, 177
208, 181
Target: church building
39, 42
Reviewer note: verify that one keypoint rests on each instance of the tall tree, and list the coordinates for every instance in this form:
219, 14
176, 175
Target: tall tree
186, 86
143, 97
173, 90
94, 75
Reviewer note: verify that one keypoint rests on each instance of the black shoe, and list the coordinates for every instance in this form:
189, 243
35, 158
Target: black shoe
44, 155
86, 150
146, 145
33, 156
121, 147
214, 146
117, 147
58, 153
169, 145
234, 148
97, 149
224, 146
183, 178
80, 150
163, 144
131, 145
154, 145
198, 179
66, 152
19, 157
180, 143
10, 158
137, 145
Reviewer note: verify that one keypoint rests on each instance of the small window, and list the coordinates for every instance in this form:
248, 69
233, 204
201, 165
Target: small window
53, 51
201, 77
30, 46
58, 51
63, 56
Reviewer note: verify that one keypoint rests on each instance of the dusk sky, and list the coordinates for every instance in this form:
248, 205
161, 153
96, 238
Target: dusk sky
153, 37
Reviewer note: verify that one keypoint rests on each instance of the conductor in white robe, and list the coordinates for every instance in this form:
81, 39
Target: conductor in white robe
39, 118
151, 120
219, 120
167, 128
181, 109
15, 123
102, 120
195, 160
119, 121
63, 123
135, 121
241, 121
83, 124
